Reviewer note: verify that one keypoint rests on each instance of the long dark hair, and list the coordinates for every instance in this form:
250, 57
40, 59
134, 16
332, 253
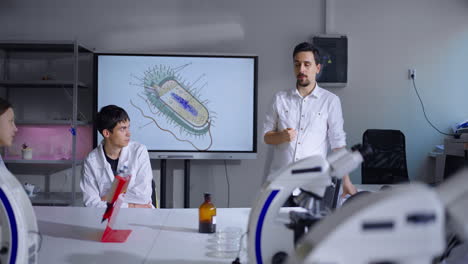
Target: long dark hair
4, 106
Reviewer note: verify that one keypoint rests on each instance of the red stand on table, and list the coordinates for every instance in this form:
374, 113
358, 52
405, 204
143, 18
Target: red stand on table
114, 201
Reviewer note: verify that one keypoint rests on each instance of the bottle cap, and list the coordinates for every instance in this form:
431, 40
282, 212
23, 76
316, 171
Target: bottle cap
207, 195
123, 169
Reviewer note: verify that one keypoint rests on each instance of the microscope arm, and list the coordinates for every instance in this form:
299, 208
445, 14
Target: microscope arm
453, 194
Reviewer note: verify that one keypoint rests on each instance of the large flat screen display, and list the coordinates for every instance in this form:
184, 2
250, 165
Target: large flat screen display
184, 106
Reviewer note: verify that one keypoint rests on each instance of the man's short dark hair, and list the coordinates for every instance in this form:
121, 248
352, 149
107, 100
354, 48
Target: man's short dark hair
4, 106
306, 46
109, 117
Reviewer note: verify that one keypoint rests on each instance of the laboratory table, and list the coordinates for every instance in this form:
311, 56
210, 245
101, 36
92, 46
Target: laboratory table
72, 235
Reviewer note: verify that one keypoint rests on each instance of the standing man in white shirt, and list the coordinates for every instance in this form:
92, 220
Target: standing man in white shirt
114, 152
306, 120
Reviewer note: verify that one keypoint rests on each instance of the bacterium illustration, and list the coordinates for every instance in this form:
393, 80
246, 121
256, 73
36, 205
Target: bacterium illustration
166, 94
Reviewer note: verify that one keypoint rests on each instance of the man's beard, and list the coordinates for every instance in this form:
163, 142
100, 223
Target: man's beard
302, 84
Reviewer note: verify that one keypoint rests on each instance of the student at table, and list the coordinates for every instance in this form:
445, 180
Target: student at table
114, 152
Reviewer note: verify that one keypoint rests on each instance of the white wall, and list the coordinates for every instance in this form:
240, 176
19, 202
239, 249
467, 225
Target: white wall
385, 39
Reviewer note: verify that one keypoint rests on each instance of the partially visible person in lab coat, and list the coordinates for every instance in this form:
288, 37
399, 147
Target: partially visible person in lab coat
114, 152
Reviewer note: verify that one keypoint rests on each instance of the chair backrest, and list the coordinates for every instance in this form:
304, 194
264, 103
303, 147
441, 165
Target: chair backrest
387, 164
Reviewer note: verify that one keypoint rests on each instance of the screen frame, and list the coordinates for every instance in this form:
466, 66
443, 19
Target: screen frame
187, 154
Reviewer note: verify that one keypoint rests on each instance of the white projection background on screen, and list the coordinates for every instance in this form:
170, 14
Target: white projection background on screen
182, 103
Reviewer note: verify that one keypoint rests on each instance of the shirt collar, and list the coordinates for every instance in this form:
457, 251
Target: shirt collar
316, 93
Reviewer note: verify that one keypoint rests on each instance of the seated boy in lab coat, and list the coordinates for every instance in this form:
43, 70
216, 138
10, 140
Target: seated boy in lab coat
115, 151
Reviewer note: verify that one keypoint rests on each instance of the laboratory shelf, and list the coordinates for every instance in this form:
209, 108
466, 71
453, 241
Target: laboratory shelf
42, 46
38, 167
47, 122
41, 84
56, 198
24, 71
9, 160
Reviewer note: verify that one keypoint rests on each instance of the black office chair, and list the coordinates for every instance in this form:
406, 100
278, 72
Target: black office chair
387, 164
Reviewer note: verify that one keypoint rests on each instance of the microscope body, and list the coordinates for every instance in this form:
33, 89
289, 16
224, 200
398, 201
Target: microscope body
267, 232
401, 225
269, 238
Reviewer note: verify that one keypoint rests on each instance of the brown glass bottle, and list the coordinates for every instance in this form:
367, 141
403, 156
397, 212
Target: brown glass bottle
207, 216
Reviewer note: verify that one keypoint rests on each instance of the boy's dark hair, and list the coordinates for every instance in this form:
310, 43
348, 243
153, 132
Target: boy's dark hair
306, 46
109, 117
4, 106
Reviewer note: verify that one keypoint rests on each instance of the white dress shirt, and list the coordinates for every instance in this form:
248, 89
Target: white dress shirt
98, 176
317, 119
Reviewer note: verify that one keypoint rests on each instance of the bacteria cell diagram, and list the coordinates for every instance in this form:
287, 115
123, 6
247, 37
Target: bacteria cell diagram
167, 95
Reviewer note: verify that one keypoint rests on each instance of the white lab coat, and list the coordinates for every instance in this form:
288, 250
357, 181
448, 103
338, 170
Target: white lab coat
97, 177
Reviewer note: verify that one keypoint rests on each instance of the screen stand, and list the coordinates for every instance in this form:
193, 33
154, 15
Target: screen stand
163, 184
187, 183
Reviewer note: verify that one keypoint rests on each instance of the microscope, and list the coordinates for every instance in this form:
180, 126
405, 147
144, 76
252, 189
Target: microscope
405, 225
19, 233
274, 229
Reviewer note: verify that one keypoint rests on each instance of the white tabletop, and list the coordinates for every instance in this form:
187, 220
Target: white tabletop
72, 235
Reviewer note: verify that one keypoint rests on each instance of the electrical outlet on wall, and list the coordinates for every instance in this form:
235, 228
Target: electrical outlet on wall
412, 74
